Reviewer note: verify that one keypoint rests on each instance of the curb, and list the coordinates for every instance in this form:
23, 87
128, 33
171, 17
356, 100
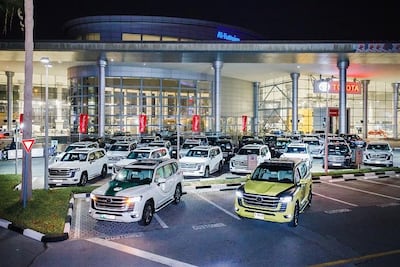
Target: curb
50, 237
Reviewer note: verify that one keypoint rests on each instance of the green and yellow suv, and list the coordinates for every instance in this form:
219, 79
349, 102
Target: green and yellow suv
278, 190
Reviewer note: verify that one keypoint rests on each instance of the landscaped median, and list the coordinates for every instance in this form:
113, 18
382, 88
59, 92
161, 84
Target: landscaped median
47, 216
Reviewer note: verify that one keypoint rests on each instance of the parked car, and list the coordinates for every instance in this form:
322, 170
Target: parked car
378, 153
187, 145
118, 151
138, 191
81, 144
354, 140
227, 148
339, 155
202, 161
140, 153
278, 190
78, 166
280, 146
300, 151
248, 157
315, 146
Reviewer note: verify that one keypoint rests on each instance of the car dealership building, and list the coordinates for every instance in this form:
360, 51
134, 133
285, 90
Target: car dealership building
126, 71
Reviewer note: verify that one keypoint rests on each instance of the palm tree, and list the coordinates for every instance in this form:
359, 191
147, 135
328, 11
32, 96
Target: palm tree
10, 8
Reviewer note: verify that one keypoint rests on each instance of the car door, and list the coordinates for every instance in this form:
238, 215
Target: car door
213, 159
92, 167
163, 184
304, 175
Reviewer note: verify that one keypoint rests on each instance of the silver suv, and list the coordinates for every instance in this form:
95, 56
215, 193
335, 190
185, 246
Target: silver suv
202, 161
138, 191
78, 166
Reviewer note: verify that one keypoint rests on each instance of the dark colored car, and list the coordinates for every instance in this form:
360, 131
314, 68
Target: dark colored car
227, 148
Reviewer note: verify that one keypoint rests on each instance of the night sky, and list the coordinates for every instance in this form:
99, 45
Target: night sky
275, 19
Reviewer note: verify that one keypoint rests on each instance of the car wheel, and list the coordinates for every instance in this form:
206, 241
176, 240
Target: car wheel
177, 194
220, 167
104, 171
147, 215
295, 220
207, 172
84, 179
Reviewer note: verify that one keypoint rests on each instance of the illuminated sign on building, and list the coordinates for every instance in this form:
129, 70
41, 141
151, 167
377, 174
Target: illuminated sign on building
334, 86
227, 36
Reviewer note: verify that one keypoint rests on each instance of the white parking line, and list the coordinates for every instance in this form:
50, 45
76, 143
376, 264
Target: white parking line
219, 207
77, 232
376, 182
139, 253
160, 221
363, 191
335, 199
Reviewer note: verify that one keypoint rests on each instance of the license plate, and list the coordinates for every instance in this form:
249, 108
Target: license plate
108, 217
259, 216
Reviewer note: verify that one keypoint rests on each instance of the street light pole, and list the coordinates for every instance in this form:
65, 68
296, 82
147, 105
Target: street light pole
46, 62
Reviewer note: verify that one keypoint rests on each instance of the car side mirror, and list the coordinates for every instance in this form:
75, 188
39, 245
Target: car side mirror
161, 180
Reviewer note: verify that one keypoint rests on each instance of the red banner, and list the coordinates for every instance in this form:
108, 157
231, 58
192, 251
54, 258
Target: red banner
244, 123
142, 123
83, 123
196, 123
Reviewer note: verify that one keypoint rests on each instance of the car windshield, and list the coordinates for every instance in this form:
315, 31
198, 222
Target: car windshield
71, 147
273, 174
295, 149
116, 147
247, 151
135, 176
197, 153
138, 155
74, 157
189, 145
378, 147
337, 149
312, 143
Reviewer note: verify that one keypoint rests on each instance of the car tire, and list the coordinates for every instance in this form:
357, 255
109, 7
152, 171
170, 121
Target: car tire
104, 171
177, 194
147, 214
221, 167
295, 220
206, 172
84, 179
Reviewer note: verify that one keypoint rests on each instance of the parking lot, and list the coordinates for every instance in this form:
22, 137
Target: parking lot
353, 222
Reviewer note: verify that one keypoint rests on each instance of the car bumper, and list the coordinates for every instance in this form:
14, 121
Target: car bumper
265, 215
125, 217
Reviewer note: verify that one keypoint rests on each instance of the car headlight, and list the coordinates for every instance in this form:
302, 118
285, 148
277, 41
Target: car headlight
134, 199
199, 166
286, 199
93, 196
239, 192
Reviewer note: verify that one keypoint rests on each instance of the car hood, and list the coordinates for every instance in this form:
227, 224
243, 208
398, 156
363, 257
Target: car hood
266, 188
117, 153
67, 164
121, 188
296, 155
192, 160
124, 162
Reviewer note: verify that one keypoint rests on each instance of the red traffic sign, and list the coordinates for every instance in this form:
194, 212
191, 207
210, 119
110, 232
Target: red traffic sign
28, 143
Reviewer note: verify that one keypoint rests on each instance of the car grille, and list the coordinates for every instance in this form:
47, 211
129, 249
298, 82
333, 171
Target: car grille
60, 172
108, 203
263, 202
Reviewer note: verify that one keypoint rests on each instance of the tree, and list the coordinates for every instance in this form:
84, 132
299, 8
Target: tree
10, 8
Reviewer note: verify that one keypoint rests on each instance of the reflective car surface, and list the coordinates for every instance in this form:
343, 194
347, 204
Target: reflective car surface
378, 153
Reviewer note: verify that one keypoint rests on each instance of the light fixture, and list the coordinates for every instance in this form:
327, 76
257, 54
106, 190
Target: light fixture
47, 64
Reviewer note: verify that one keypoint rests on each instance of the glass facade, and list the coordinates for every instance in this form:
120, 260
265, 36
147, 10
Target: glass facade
165, 102
275, 108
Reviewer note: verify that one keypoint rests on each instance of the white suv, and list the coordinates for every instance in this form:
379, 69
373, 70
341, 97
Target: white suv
78, 166
81, 144
300, 151
202, 161
138, 191
248, 158
118, 151
142, 153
